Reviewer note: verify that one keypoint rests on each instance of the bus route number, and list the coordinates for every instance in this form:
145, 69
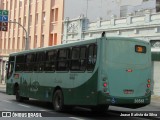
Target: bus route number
138, 100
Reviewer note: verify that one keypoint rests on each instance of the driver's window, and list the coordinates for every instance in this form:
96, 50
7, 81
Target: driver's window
10, 67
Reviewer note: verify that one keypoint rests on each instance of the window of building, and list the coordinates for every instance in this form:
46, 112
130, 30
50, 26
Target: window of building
5, 43
43, 17
30, 20
13, 44
19, 21
36, 18
55, 38
23, 42
11, 3
7, 5
52, 15
56, 14
51, 40
42, 41
9, 41
15, 6
20, 3
18, 41
35, 41
24, 21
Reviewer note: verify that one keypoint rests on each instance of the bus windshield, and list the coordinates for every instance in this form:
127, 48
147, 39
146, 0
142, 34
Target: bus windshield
126, 52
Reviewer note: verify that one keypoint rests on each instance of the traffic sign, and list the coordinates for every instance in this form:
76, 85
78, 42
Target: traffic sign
4, 28
0, 18
5, 12
4, 24
3, 20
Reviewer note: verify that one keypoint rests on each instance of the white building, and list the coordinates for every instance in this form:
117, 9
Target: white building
93, 9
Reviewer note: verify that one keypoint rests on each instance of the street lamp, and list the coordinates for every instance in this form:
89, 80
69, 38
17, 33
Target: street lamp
26, 42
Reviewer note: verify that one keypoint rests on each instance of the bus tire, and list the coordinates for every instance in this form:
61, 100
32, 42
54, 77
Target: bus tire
18, 97
58, 101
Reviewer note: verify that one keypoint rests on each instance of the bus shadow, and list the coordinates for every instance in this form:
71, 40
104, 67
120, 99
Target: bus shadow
77, 111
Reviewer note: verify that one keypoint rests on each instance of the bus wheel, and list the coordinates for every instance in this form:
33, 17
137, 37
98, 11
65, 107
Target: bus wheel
58, 101
18, 97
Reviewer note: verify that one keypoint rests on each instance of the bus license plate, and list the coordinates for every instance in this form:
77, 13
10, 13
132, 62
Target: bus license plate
138, 100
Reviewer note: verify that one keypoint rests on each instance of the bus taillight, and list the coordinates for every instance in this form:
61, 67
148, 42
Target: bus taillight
148, 85
105, 84
149, 81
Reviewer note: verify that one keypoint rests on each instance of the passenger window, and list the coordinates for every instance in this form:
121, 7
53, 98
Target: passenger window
20, 63
83, 58
92, 56
75, 61
10, 67
40, 61
63, 60
51, 60
30, 62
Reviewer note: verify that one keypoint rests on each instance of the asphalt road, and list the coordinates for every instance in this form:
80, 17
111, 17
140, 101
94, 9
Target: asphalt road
28, 108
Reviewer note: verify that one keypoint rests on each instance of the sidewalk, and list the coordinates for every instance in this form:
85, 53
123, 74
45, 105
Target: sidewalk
2, 88
155, 100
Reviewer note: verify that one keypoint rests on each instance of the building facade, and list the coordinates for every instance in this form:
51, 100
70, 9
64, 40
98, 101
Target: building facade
93, 9
32, 24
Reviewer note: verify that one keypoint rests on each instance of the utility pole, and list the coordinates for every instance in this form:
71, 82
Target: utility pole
27, 42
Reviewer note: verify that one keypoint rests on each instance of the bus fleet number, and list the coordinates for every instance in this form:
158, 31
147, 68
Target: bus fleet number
138, 100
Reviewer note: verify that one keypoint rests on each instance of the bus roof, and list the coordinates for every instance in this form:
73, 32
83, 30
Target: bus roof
77, 43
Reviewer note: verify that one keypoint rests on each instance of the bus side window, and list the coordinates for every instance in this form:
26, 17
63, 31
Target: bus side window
75, 62
83, 58
40, 61
92, 56
63, 59
19, 63
51, 57
30, 61
10, 67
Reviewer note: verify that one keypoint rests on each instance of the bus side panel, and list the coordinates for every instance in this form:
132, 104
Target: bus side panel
9, 88
86, 94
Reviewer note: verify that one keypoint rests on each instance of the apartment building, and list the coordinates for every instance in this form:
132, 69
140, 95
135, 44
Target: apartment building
40, 21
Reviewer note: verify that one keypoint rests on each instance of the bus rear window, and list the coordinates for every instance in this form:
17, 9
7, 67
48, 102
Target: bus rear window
140, 49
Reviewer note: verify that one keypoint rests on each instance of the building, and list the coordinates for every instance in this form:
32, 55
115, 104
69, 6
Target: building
93, 9
42, 19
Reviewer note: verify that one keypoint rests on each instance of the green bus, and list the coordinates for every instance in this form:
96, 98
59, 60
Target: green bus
93, 73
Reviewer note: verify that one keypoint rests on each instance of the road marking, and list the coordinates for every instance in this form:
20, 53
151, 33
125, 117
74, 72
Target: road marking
42, 110
75, 118
24, 105
7, 101
7, 109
